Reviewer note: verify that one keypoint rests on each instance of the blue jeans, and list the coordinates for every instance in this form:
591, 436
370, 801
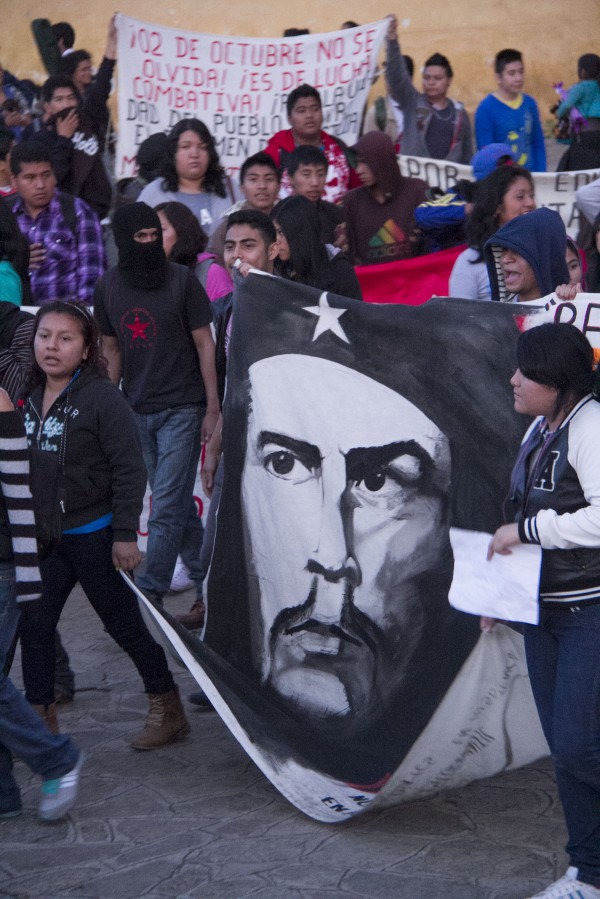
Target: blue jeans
562, 657
22, 731
171, 447
86, 558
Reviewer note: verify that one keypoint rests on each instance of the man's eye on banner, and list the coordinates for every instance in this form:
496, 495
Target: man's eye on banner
367, 453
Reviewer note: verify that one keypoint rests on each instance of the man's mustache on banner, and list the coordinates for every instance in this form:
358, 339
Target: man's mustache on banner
331, 650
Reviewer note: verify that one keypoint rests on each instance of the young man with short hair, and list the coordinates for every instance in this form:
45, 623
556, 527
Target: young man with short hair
259, 181
250, 242
307, 170
305, 115
66, 249
509, 116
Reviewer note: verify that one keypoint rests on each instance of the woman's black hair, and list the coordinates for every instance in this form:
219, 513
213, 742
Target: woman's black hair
214, 179
68, 64
559, 356
588, 66
191, 239
299, 220
592, 258
14, 247
483, 221
438, 59
80, 313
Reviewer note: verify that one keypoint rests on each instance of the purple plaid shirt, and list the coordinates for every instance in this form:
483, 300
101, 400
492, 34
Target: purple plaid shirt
74, 261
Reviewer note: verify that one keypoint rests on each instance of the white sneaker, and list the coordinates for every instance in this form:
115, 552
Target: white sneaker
569, 887
59, 795
181, 578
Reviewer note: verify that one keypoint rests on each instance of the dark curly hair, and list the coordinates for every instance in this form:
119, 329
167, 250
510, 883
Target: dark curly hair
191, 238
86, 322
214, 179
483, 221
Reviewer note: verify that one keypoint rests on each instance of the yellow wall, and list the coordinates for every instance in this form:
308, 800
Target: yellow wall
550, 33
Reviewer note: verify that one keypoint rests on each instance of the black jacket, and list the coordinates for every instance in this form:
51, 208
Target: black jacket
104, 468
77, 161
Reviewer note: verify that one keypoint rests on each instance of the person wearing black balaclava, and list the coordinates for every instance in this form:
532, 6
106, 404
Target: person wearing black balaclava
155, 320
138, 236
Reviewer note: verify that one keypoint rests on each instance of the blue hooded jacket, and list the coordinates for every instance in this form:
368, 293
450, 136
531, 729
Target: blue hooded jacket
540, 237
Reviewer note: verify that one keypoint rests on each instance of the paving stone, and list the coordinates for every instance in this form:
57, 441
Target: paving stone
198, 820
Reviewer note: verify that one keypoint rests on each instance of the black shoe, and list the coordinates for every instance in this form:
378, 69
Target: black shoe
201, 700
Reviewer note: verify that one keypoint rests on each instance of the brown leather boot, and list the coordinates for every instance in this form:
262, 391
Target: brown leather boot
194, 619
166, 722
48, 714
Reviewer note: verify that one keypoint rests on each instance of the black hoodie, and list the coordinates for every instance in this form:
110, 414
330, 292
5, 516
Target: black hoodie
104, 468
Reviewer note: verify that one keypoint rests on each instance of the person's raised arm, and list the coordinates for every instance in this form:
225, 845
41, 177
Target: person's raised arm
400, 86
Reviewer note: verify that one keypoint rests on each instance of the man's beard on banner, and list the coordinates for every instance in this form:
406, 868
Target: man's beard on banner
435, 358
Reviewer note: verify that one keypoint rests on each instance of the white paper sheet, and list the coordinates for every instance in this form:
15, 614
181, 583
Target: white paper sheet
505, 588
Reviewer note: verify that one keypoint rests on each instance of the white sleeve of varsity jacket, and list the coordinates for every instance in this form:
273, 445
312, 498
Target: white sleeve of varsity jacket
588, 200
582, 528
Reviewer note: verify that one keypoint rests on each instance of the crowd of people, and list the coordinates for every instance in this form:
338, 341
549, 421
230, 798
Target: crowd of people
157, 257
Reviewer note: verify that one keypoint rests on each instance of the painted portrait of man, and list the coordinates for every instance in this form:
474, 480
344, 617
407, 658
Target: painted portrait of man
355, 439
346, 517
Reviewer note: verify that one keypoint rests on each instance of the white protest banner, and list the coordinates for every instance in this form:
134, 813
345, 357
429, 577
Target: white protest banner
583, 312
556, 190
237, 86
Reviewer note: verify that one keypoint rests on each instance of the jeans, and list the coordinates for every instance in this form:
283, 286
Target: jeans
562, 657
171, 447
22, 731
86, 558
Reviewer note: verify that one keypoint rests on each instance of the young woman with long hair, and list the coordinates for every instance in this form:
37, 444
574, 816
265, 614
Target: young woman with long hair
303, 257
88, 484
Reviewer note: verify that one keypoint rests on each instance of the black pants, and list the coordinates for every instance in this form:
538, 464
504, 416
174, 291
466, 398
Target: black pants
86, 558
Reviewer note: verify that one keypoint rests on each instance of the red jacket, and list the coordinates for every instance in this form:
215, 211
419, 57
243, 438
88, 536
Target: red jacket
340, 176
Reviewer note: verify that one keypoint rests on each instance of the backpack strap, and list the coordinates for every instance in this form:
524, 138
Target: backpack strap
201, 271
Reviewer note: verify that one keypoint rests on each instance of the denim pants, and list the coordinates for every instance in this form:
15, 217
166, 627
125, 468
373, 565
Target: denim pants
22, 731
564, 669
171, 447
86, 558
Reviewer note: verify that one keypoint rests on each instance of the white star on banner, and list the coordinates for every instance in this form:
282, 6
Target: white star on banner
327, 319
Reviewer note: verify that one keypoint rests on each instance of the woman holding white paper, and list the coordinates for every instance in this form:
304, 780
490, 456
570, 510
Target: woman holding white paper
556, 483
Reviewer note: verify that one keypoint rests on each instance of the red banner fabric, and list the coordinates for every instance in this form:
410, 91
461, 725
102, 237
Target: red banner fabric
410, 281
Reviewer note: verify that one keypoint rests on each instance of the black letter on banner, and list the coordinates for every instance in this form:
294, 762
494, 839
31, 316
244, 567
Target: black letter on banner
586, 321
558, 314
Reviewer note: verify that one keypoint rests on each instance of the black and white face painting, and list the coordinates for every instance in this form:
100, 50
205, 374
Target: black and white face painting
344, 494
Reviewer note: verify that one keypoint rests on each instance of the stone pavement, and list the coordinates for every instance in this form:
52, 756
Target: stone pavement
198, 819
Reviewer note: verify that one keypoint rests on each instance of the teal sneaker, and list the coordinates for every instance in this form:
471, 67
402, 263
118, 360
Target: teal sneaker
58, 795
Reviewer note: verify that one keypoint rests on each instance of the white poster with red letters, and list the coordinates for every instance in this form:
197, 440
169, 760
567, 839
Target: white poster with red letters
237, 86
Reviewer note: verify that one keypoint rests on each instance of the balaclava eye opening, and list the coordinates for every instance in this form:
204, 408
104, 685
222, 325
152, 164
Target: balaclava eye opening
141, 264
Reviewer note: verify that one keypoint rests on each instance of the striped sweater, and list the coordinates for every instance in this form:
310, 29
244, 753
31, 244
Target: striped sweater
16, 495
